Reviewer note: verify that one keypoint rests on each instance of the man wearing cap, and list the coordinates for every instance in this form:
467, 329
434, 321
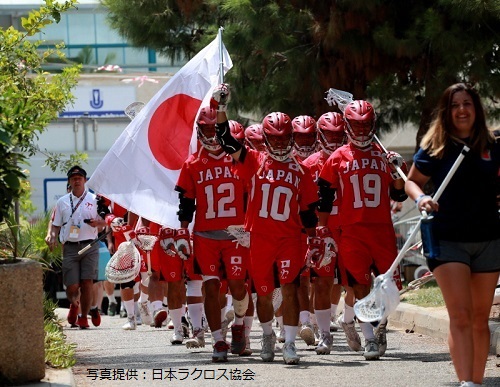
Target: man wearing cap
75, 223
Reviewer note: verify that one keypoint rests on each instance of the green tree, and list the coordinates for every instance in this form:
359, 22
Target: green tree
400, 55
29, 97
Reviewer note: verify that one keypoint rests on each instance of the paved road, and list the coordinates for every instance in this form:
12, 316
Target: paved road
146, 358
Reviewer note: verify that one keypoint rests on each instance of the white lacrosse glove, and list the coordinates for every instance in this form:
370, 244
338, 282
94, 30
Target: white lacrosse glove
182, 244
325, 234
393, 160
220, 97
167, 241
114, 222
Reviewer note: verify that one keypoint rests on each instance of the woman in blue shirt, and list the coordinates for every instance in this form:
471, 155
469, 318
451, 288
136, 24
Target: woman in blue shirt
466, 222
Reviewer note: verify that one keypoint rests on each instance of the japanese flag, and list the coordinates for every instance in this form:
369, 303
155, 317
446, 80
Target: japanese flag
140, 170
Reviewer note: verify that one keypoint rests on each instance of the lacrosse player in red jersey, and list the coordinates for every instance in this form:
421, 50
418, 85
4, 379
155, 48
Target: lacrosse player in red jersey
207, 183
331, 135
365, 179
304, 136
281, 202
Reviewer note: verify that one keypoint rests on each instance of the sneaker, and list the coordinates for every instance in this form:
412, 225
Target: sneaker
177, 337
130, 325
352, 336
463, 383
198, 339
334, 325
73, 314
220, 352
268, 344
123, 313
290, 354
371, 350
381, 336
95, 317
185, 327
112, 309
281, 335
145, 313
159, 316
224, 327
325, 344
238, 339
82, 322
306, 333
247, 351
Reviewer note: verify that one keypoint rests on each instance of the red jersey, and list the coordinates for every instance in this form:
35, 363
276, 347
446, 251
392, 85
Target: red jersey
315, 162
210, 180
278, 192
363, 179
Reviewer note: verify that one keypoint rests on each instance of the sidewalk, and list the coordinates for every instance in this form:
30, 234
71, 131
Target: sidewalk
431, 322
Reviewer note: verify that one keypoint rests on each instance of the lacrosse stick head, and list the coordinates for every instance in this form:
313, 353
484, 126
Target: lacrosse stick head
242, 236
277, 298
133, 109
380, 303
124, 265
339, 98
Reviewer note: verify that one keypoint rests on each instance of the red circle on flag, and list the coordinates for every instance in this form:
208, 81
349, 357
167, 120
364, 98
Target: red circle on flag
170, 130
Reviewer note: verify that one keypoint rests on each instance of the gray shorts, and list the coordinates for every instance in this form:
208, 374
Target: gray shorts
481, 257
79, 267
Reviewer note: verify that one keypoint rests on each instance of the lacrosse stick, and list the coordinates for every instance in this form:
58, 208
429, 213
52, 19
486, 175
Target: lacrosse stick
417, 283
398, 169
339, 98
124, 265
133, 109
242, 236
102, 237
384, 297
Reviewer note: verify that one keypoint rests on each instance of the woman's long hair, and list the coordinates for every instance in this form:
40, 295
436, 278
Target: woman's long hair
440, 131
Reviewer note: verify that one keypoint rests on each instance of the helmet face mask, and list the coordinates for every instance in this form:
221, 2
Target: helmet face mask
331, 132
304, 134
360, 123
205, 128
278, 135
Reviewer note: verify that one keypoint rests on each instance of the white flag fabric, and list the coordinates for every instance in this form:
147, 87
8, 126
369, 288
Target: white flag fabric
140, 170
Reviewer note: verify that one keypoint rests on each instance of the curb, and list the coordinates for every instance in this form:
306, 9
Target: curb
434, 322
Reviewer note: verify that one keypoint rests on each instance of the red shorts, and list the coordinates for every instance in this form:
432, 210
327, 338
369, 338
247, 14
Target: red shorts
267, 251
220, 258
365, 248
189, 270
170, 268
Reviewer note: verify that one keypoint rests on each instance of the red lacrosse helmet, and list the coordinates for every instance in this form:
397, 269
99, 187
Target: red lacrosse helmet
237, 130
205, 127
304, 135
253, 137
331, 130
278, 135
360, 123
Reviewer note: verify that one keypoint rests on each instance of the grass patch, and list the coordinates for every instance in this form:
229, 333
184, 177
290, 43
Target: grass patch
58, 352
429, 295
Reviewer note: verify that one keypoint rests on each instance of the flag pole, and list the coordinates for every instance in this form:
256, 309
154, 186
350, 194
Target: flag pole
221, 57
